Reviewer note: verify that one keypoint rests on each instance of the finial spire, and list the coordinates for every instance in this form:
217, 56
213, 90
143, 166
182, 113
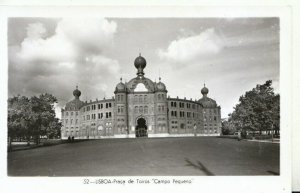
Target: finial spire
140, 54
159, 79
121, 79
76, 86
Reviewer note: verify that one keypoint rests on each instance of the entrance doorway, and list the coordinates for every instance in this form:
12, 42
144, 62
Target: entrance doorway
141, 128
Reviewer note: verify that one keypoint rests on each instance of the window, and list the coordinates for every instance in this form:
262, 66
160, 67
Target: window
76, 113
174, 113
215, 118
106, 114
141, 98
141, 109
76, 121
146, 110
122, 109
101, 106
181, 105
118, 98
109, 114
106, 105
109, 105
145, 98
181, 113
181, 126
173, 104
136, 98
67, 114
158, 96
136, 109
66, 121
71, 113
98, 106
99, 116
163, 108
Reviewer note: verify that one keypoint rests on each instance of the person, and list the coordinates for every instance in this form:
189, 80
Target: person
72, 138
239, 135
195, 130
69, 139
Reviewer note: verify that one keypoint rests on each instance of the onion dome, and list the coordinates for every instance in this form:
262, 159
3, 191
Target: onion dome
160, 86
204, 90
76, 93
75, 104
140, 64
120, 87
208, 102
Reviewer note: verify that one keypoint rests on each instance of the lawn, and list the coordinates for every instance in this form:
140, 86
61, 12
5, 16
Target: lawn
148, 156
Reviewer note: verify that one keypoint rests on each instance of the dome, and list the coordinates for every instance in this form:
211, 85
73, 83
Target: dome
74, 105
208, 102
160, 86
204, 90
76, 92
140, 62
120, 87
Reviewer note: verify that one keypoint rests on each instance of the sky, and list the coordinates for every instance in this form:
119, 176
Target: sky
229, 55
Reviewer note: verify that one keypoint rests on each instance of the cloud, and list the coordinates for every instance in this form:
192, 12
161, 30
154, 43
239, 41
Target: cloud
72, 39
187, 49
75, 53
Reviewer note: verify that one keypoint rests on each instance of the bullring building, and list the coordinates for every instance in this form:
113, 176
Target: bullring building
140, 108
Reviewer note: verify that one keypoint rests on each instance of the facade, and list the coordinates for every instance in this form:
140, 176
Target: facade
140, 108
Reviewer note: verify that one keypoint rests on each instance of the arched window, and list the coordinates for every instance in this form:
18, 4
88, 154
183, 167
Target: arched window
146, 109
136, 98
136, 108
141, 109
141, 99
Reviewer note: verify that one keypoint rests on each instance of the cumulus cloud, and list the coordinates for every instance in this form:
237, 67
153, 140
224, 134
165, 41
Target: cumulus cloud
74, 54
190, 48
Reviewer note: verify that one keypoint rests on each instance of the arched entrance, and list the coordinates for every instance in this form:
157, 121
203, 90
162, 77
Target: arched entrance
141, 128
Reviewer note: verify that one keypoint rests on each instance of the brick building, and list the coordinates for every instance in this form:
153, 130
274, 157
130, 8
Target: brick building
140, 108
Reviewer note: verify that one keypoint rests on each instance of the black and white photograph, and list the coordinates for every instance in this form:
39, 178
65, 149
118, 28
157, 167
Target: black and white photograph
150, 99
140, 96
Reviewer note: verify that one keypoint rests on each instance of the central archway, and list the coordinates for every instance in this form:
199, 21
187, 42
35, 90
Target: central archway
141, 128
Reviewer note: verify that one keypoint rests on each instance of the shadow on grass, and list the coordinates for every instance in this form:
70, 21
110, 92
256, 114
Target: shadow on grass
274, 173
199, 166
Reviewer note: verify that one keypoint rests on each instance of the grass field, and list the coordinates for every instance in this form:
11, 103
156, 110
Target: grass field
148, 156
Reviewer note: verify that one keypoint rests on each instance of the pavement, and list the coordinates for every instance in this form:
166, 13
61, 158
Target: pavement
188, 156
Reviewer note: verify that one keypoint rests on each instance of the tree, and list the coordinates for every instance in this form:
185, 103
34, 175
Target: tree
32, 117
19, 117
257, 110
227, 128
